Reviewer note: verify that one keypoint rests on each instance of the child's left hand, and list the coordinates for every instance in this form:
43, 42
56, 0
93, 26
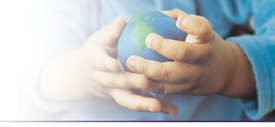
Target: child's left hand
203, 65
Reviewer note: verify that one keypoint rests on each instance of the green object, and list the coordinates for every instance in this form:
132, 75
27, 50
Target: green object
142, 29
132, 39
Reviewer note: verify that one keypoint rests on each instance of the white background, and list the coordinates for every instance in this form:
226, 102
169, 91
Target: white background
13, 17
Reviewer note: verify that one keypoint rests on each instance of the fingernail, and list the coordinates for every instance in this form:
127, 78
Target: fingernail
179, 20
149, 40
131, 62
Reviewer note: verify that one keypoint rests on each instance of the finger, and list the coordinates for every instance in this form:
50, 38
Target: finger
140, 103
109, 34
115, 31
105, 63
166, 107
169, 108
169, 88
197, 26
177, 50
178, 88
99, 36
99, 48
100, 57
174, 13
166, 72
125, 80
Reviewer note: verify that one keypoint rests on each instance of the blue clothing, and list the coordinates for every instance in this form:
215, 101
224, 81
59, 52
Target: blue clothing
260, 50
223, 14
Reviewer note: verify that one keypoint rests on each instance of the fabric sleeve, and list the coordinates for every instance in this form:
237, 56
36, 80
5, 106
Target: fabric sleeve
260, 50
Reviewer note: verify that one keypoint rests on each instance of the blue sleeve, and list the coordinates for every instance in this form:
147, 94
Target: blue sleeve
260, 50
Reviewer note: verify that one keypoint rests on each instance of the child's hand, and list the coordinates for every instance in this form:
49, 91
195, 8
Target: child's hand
204, 64
99, 55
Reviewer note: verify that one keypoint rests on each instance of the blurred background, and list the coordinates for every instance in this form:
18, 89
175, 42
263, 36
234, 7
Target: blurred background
13, 52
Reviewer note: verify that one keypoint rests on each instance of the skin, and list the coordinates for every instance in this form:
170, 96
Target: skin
203, 65
93, 71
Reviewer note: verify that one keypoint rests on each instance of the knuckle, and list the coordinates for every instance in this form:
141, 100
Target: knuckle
204, 55
165, 74
112, 83
187, 89
144, 68
161, 88
176, 10
199, 77
120, 82
158, 46
188, 69
144, 83
140, 65
141, 83
186, 77
181, 53
205, 26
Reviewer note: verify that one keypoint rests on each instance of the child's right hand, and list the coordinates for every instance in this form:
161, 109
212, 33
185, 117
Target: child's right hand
98, 57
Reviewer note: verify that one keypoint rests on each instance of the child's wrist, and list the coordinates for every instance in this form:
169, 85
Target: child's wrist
241, 81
